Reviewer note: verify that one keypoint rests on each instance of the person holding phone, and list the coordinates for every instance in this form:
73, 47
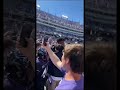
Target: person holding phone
25, 43
71, 64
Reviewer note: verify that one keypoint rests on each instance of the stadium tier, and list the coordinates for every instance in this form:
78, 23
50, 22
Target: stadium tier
100, 19
55, 27
101, 13
17, 13
58, 20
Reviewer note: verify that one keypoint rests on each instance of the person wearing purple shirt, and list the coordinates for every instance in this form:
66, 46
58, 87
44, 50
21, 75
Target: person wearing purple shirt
72, 64
71, 84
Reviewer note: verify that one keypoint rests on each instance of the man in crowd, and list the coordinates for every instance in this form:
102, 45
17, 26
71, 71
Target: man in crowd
61, 41
41, 68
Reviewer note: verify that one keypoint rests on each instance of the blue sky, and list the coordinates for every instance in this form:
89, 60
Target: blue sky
71, 8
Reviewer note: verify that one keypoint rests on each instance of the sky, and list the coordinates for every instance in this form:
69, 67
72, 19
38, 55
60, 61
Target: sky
73, 9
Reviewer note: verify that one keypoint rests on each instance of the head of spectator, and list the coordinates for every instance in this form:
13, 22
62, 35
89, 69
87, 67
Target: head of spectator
59, 48
42, 55
72, 59
61, 41
100, 66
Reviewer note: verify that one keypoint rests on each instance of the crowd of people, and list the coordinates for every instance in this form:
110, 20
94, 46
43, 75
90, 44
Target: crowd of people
58, 20
51, 67
54, 34
57, 39
53, 71
54, 37
98, 35
58, 65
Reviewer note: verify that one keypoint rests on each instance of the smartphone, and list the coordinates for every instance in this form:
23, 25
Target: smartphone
25, 33
45, 40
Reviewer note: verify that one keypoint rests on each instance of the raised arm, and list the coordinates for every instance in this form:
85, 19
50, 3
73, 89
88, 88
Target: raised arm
56, 61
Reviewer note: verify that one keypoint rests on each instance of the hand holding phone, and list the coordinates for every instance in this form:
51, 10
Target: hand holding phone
25, 33
45, 40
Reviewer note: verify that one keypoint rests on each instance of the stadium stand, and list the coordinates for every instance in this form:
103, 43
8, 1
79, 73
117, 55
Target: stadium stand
100, 20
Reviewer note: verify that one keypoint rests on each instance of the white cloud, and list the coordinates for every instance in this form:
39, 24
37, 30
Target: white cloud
64, 16
38, 6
